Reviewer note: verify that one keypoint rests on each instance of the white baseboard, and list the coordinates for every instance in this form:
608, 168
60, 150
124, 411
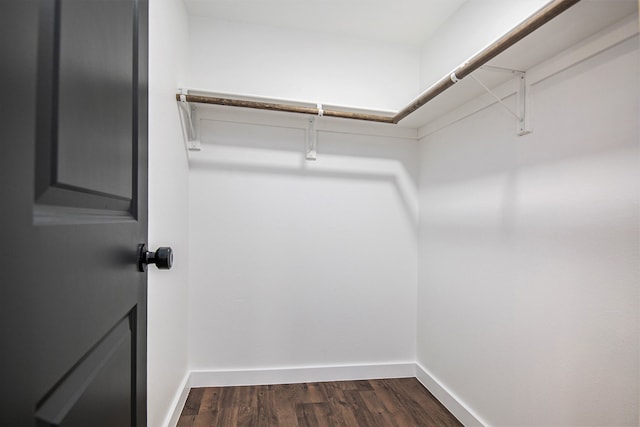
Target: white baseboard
179, 401
457, 407
301, 375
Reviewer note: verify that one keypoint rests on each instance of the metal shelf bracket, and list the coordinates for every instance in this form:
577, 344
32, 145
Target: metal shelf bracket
189, 122
522, 114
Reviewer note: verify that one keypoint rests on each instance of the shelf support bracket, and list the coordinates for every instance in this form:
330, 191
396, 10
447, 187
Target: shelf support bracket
522, 114
311, 139
189, 120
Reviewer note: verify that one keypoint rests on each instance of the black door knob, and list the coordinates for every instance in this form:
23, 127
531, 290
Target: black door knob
162, 257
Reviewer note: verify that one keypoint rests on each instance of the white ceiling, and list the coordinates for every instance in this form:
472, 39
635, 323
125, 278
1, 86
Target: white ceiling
398, 21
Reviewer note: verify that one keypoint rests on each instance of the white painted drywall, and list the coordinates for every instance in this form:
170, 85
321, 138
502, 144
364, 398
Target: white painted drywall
300, 264
241, 58
168, 210
475, 25
529, 253
401, 21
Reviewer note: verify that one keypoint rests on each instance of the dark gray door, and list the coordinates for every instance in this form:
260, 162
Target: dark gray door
73, 169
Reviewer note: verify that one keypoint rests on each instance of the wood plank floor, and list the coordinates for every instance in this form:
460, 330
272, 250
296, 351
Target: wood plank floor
373, 403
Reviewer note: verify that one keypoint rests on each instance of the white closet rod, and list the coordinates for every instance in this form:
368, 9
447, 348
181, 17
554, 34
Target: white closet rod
535, 21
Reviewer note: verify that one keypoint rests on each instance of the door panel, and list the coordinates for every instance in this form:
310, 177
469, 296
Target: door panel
74, 209
95, 96
87, 96
97, 391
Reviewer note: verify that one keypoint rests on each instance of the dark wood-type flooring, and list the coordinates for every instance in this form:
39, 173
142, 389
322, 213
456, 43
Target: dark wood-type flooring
373, 403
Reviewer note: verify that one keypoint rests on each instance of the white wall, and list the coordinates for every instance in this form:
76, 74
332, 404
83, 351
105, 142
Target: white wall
298, 264
476, 24
271, 62
529, 249
168, 189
